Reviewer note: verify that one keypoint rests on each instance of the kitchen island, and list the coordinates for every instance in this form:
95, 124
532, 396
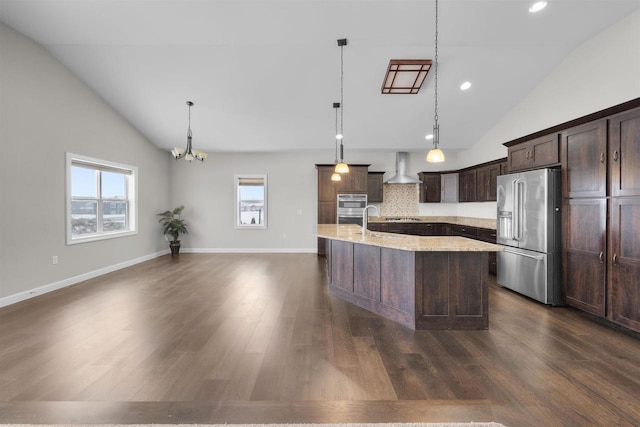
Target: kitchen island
423, 282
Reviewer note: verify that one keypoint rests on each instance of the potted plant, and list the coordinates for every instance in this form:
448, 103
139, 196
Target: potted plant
173, 226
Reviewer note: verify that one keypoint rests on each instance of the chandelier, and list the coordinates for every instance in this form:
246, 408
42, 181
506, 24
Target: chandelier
189, 153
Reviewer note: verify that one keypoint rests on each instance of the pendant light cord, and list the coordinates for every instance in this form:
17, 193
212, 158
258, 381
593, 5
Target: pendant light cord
436, 76
336, 108
341, 92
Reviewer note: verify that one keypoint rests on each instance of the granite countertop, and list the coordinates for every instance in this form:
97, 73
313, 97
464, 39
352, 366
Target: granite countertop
459, 220
353, 233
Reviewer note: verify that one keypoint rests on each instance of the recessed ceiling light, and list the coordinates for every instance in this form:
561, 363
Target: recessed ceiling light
430, 136
537, 6
465, 85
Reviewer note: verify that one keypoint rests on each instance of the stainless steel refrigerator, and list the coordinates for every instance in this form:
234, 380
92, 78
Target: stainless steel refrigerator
529, 228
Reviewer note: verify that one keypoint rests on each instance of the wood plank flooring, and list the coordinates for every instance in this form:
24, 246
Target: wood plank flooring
235, 338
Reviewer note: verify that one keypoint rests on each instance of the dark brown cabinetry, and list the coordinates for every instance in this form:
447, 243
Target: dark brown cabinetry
584, 254
584, 160
487, 182
430, 187
375, 184
624, 262
624, 154
353, 182
467, 186
489, 236
601, 230
535, 153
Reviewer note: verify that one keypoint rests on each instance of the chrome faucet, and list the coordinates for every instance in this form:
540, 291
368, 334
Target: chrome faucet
365, 217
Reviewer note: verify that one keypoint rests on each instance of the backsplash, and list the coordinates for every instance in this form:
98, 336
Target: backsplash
400, 200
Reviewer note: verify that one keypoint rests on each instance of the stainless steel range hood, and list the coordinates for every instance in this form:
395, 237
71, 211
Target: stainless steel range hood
401, 166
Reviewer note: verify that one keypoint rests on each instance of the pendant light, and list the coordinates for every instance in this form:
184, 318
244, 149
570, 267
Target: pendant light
341, 167
189, 153
435, 155
335, 177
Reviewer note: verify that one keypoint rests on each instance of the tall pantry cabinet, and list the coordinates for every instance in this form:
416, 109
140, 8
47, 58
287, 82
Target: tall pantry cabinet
601, 230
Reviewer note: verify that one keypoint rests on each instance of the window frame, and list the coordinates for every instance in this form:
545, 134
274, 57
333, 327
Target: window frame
236, 180
131, 187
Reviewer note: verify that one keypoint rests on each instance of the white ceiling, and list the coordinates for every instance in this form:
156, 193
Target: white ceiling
263, 74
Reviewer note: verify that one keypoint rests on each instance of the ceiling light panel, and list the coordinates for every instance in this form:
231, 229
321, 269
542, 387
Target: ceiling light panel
405, 75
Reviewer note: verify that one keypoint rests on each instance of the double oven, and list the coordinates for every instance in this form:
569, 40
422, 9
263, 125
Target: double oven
350, 207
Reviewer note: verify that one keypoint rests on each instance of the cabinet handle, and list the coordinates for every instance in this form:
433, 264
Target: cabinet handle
601, 157
615, 259
615, 156
601, 257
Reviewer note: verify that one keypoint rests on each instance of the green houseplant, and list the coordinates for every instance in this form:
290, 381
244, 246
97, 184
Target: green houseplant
173, 226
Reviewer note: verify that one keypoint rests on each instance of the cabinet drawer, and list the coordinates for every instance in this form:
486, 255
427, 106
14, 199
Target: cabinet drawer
487, 235
464, 231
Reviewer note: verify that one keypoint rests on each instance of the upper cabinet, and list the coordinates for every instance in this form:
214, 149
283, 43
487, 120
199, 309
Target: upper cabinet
449, 188
467, 186
584, 160
430, 187
535, 153
487, 182
624, 154
355, 181
374, 187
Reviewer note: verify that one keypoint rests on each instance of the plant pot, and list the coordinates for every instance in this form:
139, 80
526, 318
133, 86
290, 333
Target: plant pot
175, 247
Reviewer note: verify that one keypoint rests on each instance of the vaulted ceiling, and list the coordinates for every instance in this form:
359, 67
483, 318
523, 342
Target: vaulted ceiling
263, 74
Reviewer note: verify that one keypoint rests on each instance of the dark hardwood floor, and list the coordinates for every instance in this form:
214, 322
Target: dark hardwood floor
229, 338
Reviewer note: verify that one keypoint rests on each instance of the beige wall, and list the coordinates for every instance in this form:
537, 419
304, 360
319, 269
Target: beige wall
46, 111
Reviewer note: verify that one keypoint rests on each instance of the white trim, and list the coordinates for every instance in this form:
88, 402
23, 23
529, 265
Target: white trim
15, 298
132, 195
236, 180
249, 250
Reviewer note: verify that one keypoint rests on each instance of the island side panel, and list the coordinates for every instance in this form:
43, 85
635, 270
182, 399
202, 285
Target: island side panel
469, 274
341, 264
398, 284
433, 295
454, 291
366, 274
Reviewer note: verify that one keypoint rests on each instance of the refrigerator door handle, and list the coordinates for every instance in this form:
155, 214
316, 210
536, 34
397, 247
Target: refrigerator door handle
517, 197
536, 257
514, 222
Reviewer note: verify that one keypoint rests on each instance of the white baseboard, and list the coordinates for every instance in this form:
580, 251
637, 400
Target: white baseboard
12, 299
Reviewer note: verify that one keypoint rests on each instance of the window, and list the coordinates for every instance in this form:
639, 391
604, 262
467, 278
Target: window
100, 199
251, 201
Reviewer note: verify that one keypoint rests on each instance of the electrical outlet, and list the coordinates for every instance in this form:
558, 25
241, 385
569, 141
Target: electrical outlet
54, 259
284, 235
299, 211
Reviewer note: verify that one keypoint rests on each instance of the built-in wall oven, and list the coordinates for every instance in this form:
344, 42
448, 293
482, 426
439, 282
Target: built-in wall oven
350, 207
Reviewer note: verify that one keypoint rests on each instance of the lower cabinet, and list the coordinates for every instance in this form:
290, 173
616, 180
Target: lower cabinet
584, 253
440, 229
624, 262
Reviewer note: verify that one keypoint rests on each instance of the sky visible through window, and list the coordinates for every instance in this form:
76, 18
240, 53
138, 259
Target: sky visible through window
83, 183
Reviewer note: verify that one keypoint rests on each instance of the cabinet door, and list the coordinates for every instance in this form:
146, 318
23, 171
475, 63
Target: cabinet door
584, 159
624, 262
518, 157
624, 154
584, 252
430, 188
492, 192
326, 187
482, 184
544, 151
374, 187
467, 186
449, 188
327, 212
